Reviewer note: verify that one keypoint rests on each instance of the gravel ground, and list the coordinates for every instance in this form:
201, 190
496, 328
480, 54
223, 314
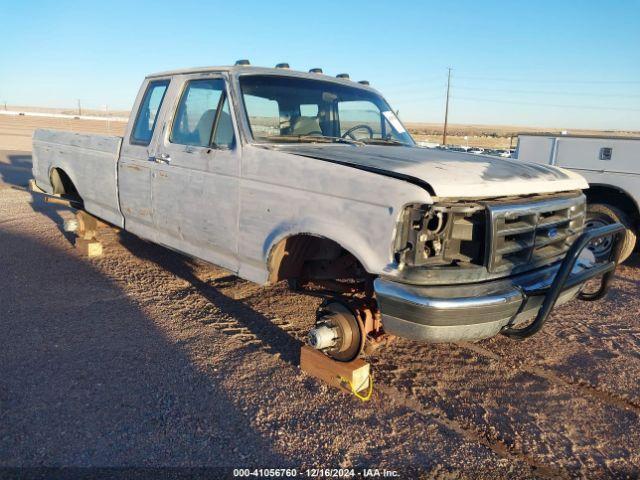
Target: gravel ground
143, 357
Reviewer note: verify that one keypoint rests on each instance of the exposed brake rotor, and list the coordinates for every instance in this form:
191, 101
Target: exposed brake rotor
338, 332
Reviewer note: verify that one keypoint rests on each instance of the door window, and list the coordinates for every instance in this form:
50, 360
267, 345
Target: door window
196, 114
148, 112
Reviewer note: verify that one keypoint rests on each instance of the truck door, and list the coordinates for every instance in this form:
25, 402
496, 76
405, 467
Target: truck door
134, 166
195, 186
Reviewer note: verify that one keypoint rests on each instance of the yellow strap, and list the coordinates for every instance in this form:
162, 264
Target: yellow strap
366, 396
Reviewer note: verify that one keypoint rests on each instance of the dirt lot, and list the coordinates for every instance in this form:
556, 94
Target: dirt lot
145, 358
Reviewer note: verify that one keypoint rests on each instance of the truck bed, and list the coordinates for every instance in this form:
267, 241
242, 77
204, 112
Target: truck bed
90, 162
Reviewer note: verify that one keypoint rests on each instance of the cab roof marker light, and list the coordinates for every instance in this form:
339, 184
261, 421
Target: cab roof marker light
282, 65
343, 75
315, 70
364, 82
243, 62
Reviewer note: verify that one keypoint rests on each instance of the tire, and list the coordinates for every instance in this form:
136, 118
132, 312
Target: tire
600, 214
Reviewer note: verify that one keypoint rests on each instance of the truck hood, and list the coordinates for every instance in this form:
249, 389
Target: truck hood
448, 174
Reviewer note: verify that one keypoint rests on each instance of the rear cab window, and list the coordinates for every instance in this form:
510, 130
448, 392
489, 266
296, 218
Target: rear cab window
148, 112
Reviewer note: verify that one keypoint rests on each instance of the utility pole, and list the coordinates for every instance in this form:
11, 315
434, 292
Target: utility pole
79, 108
446, 110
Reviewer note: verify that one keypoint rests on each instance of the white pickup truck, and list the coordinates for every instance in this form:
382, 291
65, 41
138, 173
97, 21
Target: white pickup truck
278, 175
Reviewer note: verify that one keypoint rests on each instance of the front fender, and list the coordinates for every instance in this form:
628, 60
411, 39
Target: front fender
373, 260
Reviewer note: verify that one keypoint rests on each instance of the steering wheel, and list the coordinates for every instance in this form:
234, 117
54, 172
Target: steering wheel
358, 127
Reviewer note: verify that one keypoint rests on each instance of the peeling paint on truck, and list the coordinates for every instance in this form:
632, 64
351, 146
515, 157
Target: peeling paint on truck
235, 204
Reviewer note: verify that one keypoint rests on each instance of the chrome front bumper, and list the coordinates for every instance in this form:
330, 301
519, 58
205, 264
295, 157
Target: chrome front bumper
476, 311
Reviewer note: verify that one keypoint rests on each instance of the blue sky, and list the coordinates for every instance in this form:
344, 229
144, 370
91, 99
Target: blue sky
569, 64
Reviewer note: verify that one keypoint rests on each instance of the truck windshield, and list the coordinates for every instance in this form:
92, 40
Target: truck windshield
291, 109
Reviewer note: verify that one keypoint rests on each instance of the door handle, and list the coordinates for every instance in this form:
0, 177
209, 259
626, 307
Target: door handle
162, 158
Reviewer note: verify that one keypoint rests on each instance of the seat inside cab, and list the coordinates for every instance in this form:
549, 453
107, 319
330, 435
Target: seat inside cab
223, 135
306, 126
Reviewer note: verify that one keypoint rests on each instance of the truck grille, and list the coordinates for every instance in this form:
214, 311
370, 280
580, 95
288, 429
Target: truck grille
532, 234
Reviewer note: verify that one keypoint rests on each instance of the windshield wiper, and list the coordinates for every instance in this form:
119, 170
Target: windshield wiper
350, 141
382, 141
314, 139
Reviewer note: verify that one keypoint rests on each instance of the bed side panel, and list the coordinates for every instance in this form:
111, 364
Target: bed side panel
91, 163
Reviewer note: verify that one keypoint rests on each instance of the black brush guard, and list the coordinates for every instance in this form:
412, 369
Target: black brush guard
565, 280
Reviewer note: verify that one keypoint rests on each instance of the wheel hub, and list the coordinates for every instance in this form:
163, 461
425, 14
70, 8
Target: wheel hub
337, 333
601, 246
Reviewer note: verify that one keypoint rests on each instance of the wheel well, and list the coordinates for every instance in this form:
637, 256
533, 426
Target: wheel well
615, 197
311, 257
63, 185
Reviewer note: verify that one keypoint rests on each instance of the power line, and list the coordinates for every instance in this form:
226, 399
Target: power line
415, 84
415, 92
413, 96
422, 79
549, 92
585, 107
529, 80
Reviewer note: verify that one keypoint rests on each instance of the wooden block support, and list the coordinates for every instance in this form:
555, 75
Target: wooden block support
57, 201
87, 225
318, 365
86, 241
90, 248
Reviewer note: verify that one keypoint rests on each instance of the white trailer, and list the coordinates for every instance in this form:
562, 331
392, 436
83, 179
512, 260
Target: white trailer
611, 165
